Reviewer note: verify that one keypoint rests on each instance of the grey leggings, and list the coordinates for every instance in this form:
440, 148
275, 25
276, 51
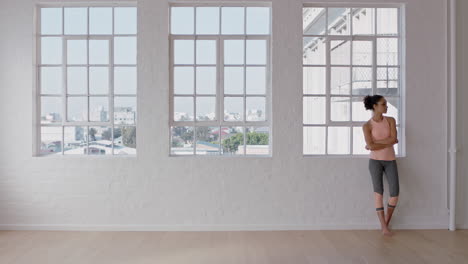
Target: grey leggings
377, 168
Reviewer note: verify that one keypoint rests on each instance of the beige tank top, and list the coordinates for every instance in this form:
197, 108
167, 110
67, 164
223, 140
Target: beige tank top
381, 130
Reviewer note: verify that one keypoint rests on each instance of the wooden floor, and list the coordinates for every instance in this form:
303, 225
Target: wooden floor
281, 247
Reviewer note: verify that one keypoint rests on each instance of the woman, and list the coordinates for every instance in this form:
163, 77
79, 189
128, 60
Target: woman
380, 134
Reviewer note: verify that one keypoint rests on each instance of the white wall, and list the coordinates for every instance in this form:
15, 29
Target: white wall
462, 114
157, 192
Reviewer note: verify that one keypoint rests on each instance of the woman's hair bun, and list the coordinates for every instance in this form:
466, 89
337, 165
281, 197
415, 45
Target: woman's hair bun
371, 100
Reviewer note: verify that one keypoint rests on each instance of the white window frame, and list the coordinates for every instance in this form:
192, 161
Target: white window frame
64, 96
373, 37
219, 107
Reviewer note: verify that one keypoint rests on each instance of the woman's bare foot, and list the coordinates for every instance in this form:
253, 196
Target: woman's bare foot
386, 232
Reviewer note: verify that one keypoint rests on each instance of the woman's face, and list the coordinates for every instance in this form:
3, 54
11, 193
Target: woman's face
381, 106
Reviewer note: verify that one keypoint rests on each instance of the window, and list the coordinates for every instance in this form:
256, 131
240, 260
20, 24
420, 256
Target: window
348, 53
220, 88
87, 80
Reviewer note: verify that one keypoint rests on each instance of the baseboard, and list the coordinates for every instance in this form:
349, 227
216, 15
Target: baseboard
209, 227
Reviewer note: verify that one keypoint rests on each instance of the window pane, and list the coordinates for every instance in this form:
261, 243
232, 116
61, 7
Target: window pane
314, 140
77, 80
207, 140
51, 21
314, 110
183, 51
387, 81
51, 80
359, 111
76, 21
313, 21
183, 80
257, 141
99, 109
207, 20
77, 109
387, 51
340, 52
233, 52
125, 80
353, 81
75, 140
98, 52
125, 20
255, 108
256, 78
206, 80
393, 108
387, 21
340, 80
206, 108
339, 109
232, 20
363, 21
183, 108
359, 142
51, 140
100, 20
51, 50
100, 141
98, 80
232, 141
125, 140
313, 80
258, 20
256, 52
125, 50
233, 80
77, 52
314, 51
362, 81
78, 106
338, 21
206, 52
233, 108
338, 140
51, 109
182, 20
125, 110
182, 140
362, 52
236, 80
